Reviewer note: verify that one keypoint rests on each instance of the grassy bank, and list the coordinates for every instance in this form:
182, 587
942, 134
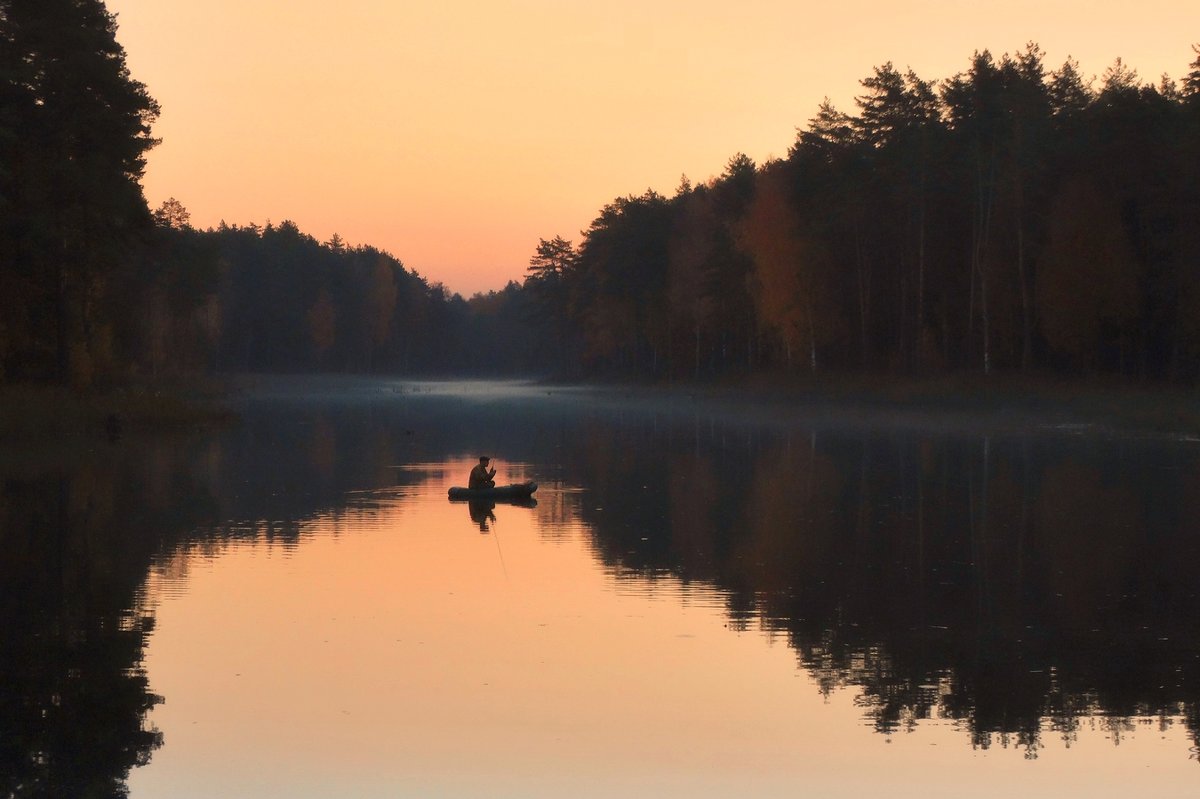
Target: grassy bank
44, 412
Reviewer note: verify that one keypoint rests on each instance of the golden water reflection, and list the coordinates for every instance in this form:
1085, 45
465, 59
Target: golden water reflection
391, 649
696, 605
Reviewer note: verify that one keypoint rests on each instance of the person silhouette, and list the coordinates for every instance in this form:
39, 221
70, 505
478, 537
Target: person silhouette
481, 475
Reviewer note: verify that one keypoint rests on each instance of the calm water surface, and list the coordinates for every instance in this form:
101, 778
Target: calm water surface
704, 601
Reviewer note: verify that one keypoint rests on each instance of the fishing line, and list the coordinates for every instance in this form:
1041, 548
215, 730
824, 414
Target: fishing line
496, 535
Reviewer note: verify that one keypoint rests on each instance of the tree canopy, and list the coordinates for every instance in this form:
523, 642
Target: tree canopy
74, 131
1009, 217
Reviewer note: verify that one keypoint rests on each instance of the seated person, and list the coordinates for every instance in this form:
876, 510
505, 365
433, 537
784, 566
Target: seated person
481, 475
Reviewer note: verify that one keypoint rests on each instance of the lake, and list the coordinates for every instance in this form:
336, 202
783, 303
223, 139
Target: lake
706, 599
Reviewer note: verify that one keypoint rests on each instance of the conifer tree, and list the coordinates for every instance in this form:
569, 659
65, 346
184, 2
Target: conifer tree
74, 132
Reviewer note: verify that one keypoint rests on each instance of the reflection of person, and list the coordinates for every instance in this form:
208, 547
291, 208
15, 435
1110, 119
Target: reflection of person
481, 475
481, 513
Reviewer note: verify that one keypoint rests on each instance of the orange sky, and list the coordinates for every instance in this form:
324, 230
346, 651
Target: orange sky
455, 134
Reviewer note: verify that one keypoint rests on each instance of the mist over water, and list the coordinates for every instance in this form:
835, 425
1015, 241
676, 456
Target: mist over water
705, 598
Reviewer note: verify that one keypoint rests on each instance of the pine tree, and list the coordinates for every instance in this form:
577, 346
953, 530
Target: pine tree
74, 131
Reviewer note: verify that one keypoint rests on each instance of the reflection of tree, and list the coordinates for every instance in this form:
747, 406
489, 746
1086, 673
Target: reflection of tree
995, 581
73, 706
73, 696
1017, 585
1020, 587
556, 512
693, 495
79, 533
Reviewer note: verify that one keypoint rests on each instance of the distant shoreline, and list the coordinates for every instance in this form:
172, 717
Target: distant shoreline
1001, 403
1006, 403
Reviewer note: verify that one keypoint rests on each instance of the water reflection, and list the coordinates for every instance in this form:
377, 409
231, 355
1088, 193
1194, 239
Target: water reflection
482, 512
78, 532
1021, 587
1015, 585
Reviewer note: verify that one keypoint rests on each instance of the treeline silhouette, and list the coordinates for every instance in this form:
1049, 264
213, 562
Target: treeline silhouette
1007, 218
74, 131
94, 287
276, 299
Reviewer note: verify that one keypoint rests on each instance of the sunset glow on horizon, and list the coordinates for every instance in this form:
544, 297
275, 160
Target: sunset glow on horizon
455, 135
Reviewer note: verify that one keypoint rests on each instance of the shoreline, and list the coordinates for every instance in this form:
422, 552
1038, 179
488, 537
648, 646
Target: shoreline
33, 414
1003, 403
36, 413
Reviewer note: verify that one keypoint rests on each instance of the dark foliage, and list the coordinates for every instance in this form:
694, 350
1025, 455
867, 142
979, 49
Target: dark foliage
74, 130
1007, 218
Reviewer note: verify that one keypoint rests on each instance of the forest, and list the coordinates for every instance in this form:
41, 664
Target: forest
1010, 218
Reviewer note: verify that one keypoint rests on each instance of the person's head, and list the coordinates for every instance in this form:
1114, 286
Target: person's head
484, 459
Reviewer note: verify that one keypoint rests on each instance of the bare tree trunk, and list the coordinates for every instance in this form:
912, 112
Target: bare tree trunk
812, 340
864, 301
1022, 277
62, 327
978, 257
987, 339
1026, 310
920, 342
670, 356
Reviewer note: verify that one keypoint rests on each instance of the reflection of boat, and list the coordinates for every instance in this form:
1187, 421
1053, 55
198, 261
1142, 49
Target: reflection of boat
491, 502
506, 492
480, 509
